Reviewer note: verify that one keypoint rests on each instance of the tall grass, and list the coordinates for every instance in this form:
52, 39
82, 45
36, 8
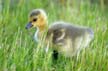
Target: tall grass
18, 51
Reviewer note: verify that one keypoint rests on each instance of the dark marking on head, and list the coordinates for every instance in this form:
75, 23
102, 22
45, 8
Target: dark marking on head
34, 12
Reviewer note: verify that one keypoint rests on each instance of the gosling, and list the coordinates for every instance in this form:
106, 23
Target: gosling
67, 39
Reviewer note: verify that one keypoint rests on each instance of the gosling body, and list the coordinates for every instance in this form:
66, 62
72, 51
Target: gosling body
69, 39
66, 38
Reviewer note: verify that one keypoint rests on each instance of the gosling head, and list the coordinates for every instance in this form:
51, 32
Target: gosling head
37, 18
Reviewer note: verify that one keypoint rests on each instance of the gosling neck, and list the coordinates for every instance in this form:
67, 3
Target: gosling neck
40, 32
42, 28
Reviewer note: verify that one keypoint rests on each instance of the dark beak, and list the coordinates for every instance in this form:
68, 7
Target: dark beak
29, 25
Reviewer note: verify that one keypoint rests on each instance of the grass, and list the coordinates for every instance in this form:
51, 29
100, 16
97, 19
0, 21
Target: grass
18, 52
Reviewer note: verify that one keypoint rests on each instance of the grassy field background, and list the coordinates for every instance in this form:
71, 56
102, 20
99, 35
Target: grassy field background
18, 52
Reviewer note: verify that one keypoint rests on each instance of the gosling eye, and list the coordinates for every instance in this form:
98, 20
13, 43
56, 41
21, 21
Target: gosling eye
35, 19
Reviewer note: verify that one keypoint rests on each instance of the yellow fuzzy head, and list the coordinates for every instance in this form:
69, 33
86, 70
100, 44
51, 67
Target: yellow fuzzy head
37, 18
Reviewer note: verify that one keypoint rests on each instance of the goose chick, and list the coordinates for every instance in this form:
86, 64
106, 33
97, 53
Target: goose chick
66, 38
